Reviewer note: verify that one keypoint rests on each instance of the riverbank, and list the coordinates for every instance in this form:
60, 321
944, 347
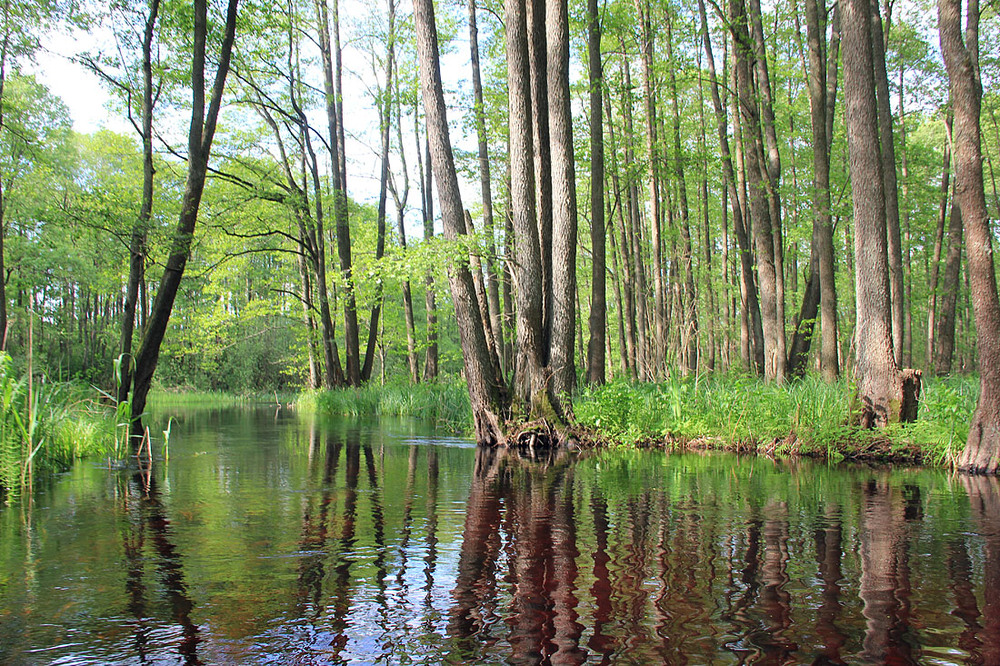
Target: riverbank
722, 412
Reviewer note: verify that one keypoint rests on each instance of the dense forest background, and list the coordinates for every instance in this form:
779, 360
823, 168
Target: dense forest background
713, 227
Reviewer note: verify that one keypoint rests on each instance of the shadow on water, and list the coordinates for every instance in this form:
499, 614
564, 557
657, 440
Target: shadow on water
147, 518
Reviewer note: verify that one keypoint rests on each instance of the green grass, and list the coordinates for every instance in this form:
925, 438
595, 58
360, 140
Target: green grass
445, 404
741, 412
45, 426
185, 399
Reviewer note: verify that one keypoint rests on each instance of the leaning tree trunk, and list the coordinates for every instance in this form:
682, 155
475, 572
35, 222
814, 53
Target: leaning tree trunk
486, 388
200, 135
883, 394
961, 57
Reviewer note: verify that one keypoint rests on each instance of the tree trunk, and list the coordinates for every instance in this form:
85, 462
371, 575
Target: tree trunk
689, 302
334, 112
562, 365
385, 113
748, 288
137, 241
935, 267
598, 299
820, 110
430, 299
541, 150
200, 135
759, 202
486, 388
982, 449
883, 392
489, 227
643, 8
944, 351
888, 152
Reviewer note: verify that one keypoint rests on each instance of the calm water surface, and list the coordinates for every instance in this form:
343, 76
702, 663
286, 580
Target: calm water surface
270, 539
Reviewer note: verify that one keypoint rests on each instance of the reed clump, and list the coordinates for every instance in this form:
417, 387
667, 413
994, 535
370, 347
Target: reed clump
446, 404
45, 426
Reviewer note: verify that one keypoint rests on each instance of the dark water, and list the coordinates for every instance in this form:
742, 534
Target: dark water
266, 539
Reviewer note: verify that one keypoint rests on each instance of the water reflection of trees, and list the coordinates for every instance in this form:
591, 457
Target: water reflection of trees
146, 517
552, 568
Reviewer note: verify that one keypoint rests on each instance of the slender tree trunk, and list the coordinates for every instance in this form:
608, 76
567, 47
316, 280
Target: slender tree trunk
689, 302
883, 394
489, 227
334, 111
137, 241
944, 351
598, 321
982, 449
385, 113
935, 267
200, 135
820, 112
430, 299
710, 344
644, 8
486, 388
748, 288
541, 149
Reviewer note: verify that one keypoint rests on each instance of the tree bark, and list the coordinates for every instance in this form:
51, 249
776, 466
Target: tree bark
961, 57
486, 388
883, 394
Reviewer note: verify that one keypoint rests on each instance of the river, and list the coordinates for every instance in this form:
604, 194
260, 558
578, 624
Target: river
262, 537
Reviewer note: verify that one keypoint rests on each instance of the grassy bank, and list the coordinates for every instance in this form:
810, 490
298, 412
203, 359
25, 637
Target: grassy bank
161, 398
809, 417
445, 404
45, 426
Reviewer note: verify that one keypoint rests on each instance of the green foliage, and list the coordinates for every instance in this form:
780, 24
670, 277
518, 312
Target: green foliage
445, 404
44, 426
738, 411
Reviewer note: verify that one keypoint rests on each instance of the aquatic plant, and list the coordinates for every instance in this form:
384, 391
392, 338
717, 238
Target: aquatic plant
445, 403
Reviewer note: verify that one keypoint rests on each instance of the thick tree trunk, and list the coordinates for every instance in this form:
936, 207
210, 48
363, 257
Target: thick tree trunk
486, 388
888, 151
562, 365
885, 395
759, 202
200, 135
598, 296
773, 173
982, 449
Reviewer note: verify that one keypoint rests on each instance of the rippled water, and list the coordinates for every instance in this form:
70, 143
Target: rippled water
268, 539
